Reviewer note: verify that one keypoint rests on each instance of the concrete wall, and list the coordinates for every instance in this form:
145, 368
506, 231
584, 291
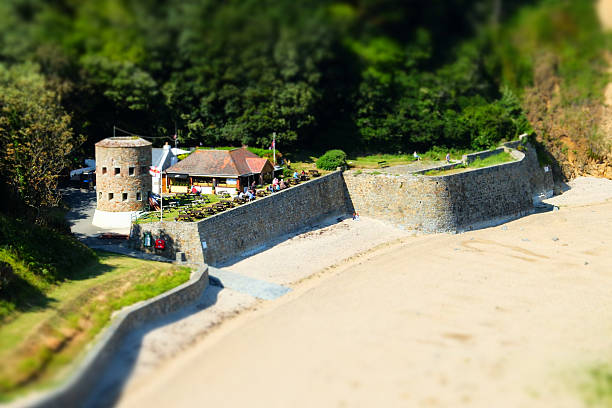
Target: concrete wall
74, 392
251, 225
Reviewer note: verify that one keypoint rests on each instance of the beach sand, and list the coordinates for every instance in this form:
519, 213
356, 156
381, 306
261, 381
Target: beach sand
509, 316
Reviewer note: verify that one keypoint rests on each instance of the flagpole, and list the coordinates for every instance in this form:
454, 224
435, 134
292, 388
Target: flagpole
274, 147
161, 199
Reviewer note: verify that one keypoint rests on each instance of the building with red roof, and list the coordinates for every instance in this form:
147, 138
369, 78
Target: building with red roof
218, 171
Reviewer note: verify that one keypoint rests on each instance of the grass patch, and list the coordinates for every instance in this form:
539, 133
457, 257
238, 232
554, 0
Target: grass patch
36, 344
597, 390
499, 158
502, 157
171, 214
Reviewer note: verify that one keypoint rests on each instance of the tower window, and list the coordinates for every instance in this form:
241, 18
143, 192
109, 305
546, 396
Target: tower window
124, 196
138, 198
100, 195
104, 170
117, 171
110, 196
131, 170
143, 169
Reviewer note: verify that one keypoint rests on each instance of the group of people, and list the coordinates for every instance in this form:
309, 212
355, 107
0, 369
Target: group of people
297, 176
277, 185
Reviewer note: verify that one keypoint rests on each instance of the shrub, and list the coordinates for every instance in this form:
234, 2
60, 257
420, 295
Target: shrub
6, 275
331, 160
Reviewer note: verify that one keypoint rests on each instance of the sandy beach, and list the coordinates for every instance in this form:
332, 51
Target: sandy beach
508, 316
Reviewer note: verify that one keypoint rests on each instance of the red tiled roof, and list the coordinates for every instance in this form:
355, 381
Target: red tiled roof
256, 164
219, 163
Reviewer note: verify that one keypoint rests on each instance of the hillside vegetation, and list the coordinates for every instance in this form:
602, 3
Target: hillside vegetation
364, 76
56, 295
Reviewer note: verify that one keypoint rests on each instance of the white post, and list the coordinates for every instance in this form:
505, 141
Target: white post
161, 199
274, 147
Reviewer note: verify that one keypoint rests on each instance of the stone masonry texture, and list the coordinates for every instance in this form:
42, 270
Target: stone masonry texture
451, 203
251, 225
447, 203
122, 169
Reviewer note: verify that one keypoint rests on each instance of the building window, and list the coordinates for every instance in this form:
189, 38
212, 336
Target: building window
131, 170
138, 198
100, 195
124, 196
117, 171
110, 196
104, 170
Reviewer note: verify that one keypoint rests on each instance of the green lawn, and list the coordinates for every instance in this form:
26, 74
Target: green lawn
503, 157
171, 214
35, 344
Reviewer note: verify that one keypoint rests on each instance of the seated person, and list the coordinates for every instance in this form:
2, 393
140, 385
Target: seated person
277, 187
295, 175
282, 184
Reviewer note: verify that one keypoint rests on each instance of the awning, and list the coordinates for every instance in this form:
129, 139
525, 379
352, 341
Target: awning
80, 171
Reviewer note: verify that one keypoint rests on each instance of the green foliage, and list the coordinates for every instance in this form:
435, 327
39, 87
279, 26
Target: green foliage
7, 275
331, 160
47, 254
36, 135
597, 390
365, 76
499, 158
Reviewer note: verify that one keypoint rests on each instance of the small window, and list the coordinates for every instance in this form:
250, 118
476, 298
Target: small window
100, 195
110, 196
124, 196
144, 169
131, 170
138, 196
104, 170
117, 171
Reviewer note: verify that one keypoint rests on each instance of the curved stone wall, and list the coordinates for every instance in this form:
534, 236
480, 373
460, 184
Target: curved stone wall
448, 203
123, 181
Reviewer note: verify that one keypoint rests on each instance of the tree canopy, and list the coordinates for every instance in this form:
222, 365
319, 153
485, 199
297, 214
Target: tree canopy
360, 74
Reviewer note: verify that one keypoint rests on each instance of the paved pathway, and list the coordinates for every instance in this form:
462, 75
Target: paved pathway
244, 284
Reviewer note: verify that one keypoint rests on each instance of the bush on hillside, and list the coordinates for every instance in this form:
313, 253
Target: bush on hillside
331, 160
47, 253
6, 275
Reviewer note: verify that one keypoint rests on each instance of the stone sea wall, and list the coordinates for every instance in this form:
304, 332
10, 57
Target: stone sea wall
453, 202
251, 225
447, 203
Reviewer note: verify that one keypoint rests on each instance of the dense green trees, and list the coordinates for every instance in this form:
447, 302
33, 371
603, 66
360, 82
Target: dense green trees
36, 138
361, 74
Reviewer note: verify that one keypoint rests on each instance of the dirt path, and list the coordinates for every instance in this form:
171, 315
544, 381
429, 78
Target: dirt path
509, 316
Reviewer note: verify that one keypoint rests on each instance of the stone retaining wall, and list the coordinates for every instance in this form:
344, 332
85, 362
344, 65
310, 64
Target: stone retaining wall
251, 225
454, 202
77, 388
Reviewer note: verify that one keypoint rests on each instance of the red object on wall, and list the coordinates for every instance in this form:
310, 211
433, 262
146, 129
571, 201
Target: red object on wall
160, 244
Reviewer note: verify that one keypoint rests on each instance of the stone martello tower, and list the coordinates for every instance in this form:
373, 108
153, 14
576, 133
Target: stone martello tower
123, 181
